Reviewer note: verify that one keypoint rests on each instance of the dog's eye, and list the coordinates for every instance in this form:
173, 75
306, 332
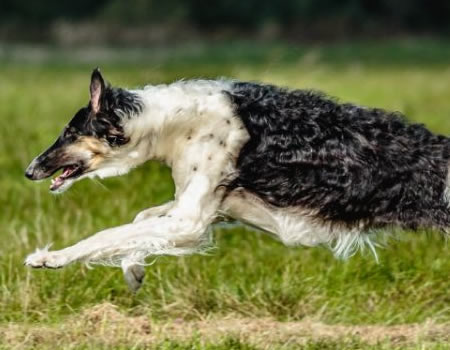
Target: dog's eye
67, 133
111, 139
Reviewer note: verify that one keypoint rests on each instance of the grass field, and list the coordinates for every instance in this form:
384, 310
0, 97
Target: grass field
249, 276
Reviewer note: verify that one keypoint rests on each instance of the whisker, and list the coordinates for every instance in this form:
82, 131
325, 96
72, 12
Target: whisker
101, 184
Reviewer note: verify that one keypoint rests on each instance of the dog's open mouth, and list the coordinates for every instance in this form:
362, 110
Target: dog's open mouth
68, 172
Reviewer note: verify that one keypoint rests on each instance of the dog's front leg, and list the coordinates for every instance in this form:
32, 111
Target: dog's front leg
154, 211
134, 273
181, 231
172, 235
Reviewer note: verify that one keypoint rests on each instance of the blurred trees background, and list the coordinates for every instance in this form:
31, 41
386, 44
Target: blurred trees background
51, 20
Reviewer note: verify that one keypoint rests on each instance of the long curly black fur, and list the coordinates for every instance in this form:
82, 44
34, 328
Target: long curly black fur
346, 163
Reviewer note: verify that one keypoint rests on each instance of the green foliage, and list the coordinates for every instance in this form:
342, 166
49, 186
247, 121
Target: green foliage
413, 15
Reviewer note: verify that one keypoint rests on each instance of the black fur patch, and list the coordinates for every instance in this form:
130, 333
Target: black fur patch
115, 104
348, 164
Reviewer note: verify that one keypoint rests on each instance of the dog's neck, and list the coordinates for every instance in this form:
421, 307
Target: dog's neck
174, 114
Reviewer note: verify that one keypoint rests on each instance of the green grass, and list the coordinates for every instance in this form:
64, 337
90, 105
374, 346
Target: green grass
248, 274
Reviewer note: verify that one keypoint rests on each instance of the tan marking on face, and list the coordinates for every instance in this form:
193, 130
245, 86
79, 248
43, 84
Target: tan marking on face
92, 150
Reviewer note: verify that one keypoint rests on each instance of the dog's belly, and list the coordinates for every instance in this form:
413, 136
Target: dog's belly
292, 226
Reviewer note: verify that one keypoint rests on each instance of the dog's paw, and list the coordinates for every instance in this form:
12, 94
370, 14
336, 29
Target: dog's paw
42, 258
134, 275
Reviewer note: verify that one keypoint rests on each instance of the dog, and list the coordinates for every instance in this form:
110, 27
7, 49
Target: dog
294, 163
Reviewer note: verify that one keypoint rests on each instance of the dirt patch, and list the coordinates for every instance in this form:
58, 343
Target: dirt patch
105, 325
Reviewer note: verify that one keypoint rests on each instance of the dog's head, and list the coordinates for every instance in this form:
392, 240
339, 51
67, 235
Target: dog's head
94, 141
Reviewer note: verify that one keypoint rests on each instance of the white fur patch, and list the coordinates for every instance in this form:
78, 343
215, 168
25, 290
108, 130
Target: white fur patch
447, 189
294, 227
348, 243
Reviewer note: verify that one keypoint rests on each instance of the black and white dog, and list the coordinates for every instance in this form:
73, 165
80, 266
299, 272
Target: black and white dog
293, 163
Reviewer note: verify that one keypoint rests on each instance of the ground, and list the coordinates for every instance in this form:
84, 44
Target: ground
250, 292
104, 326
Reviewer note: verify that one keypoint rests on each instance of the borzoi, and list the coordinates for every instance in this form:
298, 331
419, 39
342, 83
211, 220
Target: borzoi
294, 163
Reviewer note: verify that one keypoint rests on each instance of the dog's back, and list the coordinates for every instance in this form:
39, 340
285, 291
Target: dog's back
347, 164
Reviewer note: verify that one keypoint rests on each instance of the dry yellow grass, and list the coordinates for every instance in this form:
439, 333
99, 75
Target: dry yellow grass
104, 325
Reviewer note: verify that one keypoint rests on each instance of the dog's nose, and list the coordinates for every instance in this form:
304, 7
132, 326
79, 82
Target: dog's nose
29, 173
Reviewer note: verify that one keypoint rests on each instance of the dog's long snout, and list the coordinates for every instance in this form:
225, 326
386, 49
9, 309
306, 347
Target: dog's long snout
44, 164
31, 172
34, 171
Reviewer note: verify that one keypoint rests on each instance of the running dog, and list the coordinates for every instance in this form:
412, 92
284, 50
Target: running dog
294, 163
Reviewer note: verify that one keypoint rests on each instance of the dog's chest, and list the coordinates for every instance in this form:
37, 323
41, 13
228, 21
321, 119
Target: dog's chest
207, 140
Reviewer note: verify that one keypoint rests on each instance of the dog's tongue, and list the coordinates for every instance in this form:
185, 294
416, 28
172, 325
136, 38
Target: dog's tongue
66, 171
59, 180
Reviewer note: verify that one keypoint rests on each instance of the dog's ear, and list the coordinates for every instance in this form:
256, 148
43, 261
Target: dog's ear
97, 90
